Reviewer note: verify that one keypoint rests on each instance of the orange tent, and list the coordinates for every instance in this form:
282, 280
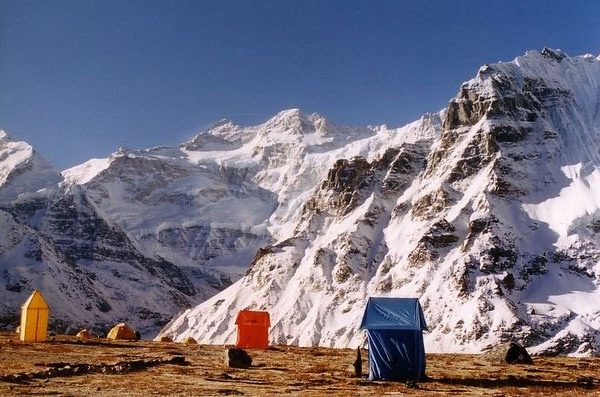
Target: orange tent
253, 329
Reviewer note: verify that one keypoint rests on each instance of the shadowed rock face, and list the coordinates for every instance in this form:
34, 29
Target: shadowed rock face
87, 260
350, 182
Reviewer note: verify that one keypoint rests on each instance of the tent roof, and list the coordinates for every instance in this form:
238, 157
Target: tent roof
393, 313
251, 317
35, 301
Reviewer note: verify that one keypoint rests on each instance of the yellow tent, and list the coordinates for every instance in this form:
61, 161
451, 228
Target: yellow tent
189, 341
85, 334
122, 331
34, 318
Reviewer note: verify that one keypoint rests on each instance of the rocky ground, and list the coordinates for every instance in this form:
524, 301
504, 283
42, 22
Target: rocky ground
67, 366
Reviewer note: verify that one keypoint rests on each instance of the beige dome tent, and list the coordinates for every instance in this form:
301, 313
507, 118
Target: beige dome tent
85, 334
34, 318
122, 331
189, 341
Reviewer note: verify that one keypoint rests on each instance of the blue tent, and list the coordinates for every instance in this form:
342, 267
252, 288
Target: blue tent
395, 331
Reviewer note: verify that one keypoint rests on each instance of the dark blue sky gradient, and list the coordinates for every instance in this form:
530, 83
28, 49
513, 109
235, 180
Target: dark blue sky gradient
80, 78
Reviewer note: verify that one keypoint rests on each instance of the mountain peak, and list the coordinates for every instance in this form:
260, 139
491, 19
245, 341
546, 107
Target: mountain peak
295, 121
557, 54
220, 135
287, 117
293, 112
22, 170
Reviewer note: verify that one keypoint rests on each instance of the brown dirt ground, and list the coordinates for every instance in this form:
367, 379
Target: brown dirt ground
277, 371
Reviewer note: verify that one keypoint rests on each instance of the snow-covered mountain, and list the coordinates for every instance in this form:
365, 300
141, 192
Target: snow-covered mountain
87, 267
488, 212
22, 170
144, 234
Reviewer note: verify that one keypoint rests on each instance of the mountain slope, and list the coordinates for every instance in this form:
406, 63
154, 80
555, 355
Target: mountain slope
144, 233
490, 218
22, 170
88, 269
212, 202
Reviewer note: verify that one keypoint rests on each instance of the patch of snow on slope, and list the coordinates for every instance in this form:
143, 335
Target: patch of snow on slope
581, 197
83, 173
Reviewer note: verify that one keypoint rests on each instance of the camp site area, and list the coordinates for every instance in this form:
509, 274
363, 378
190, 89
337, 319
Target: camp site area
66, 365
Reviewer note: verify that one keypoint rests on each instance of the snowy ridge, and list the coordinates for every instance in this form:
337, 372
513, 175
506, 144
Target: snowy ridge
83, 173
22, 170
475, 231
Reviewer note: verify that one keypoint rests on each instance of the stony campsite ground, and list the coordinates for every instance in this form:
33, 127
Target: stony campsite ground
148, 368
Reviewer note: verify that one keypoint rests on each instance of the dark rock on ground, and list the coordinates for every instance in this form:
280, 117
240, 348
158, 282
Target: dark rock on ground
516, 354
237, 358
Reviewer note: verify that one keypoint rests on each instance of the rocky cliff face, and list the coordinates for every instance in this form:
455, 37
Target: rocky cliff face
489, 216
90, 271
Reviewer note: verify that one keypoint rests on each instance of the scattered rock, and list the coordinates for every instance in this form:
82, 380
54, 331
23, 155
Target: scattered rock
508, 353
225, 376
63, 369
411, 384
229, 392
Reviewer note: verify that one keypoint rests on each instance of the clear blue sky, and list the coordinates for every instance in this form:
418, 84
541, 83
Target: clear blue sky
80, 78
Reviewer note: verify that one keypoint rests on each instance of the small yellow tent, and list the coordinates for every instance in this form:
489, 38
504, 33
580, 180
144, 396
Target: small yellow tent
85, 334
34, 318
122, 331
189, 341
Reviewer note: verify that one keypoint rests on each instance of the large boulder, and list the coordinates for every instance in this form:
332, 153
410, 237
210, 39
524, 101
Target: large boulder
237, 358
508, 353
516, 354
